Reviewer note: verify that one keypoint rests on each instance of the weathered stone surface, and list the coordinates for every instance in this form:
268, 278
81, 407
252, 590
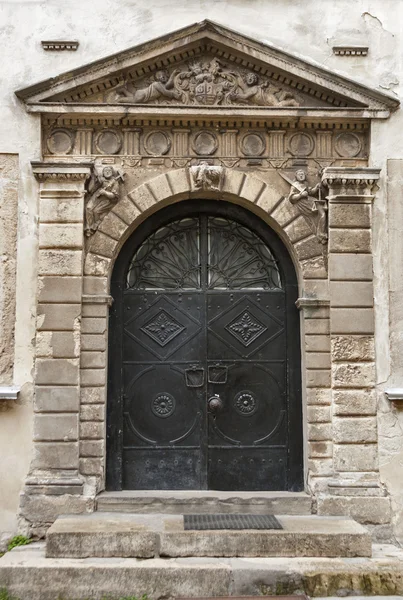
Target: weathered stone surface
142, 197
320, 467
318, 378
350, 267
308, 248
354, 402
92, 430
352, 320
93, 342
65, 344
95, 310
94, 360
60, 262
355, 458
93, 395
56, 427
58, 317
351, 293
55, 455
354, 240
353, 375
90, 377
319, 432
59, 371
349, 215
103, 245
353, 347
52, 210
57, 399
46, 509
319, 396
318, 414
320, 449
318, 360
92, 448
298, 229
362, 509
91, 466
113, 225
95, 285
317, 326
96, 266
350, 430
93, 325
60, 236
59, 289
92, 412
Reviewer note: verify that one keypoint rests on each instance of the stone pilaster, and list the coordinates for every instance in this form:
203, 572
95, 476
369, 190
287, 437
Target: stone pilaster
54, 470
355, 488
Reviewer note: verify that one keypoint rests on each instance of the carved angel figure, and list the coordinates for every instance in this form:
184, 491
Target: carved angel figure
207, 177
103, 190
310, 204
262, 94
162, 87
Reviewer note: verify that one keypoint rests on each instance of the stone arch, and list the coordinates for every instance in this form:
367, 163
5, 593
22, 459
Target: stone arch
266, 200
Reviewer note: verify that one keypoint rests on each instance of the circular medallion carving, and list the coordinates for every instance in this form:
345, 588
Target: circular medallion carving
253, 144
245, 403
204, 143
348, 145
163, 405
60, 141
301, 144
157, 143
108, 141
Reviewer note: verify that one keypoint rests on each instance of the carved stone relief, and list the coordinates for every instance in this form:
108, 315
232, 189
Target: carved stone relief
102, 194
206, 177
205, 83
311, 203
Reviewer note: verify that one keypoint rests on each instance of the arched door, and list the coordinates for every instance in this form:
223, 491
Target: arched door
204, 358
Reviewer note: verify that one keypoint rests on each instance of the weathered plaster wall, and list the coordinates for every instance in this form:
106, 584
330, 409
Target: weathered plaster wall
306, 27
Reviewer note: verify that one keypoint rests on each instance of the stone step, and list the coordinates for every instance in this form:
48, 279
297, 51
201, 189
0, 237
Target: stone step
151, 535
184, 502
26, 574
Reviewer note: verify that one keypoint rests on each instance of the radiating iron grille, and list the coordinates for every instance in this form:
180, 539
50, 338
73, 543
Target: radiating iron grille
230, 521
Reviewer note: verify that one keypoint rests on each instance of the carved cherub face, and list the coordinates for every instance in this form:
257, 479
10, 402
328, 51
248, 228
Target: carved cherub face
161, 76
107, 172
300, 175
252, 79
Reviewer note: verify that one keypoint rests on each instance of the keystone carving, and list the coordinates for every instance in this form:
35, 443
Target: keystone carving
205, 83
310, 202
102, 195
207, 177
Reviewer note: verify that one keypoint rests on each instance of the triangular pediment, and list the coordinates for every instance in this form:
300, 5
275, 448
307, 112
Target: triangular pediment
205, 67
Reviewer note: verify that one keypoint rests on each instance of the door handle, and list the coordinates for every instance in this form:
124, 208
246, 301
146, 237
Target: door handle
215, 404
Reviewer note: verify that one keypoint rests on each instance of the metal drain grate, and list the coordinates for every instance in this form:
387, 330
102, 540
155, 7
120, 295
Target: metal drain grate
230, 521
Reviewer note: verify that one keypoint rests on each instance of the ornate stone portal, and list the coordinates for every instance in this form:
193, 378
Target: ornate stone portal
206, 113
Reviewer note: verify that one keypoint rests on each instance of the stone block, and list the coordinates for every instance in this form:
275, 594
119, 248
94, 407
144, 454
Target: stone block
354, 402
103, 245
93, 325
317, 288
93, 395
355, 458
350, 267
95, 310
318, 378
55, 455
56, 427
320, 467
65, 344
58, 371
308, 248
351, 293
113, 225
320, 449
375, 510
57, 317
96, 266
179, 182
317, 360
60, 235
92, 430
92, 448
93, 360
353, 240
353, 347
126, 210
284, 213
314, 268
319, 432
60, 262
57, 399
93, 377
92, 466
95, 285
45, 508
317, 343
317, 326
353, 375
354, 430
233, 182
92, 412
52, 210
253, 189
297, 230
60, 289
318, 396
43, 344
346, 216
318, 414
352, 320
142, 197
93, 342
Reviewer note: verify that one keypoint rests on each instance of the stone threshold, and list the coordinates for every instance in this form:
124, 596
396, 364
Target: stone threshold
27, 574
126, 535
201, 501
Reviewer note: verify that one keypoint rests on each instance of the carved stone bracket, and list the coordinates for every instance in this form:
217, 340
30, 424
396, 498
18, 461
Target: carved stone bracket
350, 184
61, 172
207, 177
103, 194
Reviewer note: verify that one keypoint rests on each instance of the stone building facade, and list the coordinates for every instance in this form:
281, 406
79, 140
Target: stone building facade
302, 133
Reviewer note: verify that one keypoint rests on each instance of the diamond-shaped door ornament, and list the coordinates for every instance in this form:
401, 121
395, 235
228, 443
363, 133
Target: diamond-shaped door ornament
246, 328
162, 328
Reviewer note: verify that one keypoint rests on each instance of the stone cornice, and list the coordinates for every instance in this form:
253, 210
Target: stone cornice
352, 185
61, 172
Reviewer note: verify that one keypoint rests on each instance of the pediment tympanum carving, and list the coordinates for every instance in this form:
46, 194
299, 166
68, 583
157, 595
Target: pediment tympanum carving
204, 67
